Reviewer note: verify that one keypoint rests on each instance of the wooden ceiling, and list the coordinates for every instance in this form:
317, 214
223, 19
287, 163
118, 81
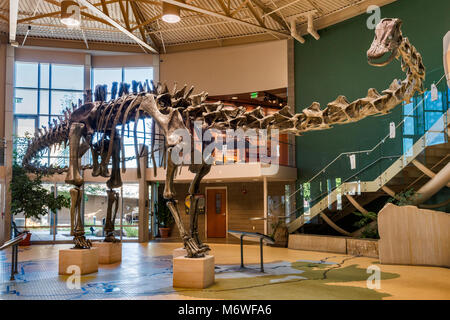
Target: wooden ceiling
204, 23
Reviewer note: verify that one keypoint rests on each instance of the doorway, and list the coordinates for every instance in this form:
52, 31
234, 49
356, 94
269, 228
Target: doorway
216, 212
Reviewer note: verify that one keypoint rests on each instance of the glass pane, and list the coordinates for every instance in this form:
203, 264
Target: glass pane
218, 203
64, 99
67, 77
408, 128
43, 101
106, 76
26, 74
138, 74
431, 118
25, 125
43, 121
130, 211
44, 75
25, 101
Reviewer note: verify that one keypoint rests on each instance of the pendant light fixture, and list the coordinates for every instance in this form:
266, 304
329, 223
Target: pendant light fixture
70, 13
171, 13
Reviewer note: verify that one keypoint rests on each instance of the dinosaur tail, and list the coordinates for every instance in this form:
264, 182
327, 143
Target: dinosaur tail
56, 135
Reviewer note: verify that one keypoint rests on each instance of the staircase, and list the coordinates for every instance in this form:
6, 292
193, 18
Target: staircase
406, 172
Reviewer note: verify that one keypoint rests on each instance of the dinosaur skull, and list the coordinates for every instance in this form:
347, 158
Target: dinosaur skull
388, 38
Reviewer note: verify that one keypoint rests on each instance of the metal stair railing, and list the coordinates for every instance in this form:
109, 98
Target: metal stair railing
374, 185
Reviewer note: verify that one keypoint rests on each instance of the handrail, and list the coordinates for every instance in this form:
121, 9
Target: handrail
362, 151
351, 177
374, 185
13, 242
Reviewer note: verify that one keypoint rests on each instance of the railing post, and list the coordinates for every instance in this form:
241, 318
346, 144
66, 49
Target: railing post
242, 251
261, 249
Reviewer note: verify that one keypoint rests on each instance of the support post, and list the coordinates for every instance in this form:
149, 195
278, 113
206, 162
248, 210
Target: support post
261, 250
13, 258
5, 220
242, 251
143, 197
265, 204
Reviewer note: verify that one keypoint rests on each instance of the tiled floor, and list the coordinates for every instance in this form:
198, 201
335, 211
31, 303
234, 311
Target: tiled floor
146, 273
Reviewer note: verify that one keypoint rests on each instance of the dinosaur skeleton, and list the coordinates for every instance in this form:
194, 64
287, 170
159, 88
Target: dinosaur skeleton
98, 121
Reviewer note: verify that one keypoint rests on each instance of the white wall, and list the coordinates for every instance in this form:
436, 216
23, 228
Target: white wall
228, 70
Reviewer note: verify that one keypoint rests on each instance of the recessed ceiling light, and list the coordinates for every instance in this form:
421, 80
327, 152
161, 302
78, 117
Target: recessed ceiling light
234, 98
171, 13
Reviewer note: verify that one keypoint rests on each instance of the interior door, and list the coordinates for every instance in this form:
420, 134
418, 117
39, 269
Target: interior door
216, 208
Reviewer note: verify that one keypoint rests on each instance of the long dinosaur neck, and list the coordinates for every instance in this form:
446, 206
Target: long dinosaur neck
340, 110
411, 62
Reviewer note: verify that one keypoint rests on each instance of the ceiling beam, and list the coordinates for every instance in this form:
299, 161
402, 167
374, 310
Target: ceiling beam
45, 15
224, 7
13, 13
274, 16
224, 17
99, 13
242, 5
125, 15
105, 7
146, 22
255, 14
146, 27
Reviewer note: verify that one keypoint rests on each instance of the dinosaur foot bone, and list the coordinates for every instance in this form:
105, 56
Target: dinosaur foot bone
110, 238
81, 242
193, 251
199, 242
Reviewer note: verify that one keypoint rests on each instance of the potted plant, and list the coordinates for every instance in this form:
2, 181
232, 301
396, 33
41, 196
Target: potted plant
28, 196
164, 217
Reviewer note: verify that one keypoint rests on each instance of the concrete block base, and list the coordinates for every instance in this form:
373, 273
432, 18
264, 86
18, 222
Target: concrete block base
179, 252
85, 259
108, 252
197, 273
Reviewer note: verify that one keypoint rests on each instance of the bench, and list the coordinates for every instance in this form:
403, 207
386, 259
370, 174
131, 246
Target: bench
252, 236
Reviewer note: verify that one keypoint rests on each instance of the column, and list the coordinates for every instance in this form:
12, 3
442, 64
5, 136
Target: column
143, 198
9, 118
266, 220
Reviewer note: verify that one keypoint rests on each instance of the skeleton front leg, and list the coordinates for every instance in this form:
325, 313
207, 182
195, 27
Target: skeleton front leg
113, 200
193, 251
194, 189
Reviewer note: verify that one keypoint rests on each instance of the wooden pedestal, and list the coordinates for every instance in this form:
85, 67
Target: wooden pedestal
85, 259
195, 273
108, 252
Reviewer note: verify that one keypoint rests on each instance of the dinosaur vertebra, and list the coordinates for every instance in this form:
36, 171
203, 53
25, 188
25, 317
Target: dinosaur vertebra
181, 108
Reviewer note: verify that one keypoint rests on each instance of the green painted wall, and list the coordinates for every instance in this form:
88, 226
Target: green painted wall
337, 64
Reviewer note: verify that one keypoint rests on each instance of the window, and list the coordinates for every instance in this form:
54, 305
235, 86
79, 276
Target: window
102, 76
41, 93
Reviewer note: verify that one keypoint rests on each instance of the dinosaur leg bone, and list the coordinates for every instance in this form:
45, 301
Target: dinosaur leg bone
193, 251
115, 181
73, 174
200, 171
113, 200
77, 223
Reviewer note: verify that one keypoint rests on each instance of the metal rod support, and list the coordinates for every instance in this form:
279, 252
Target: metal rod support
242, 251
261, 250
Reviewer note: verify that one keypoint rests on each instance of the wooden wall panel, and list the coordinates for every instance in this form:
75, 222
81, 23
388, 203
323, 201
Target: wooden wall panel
241, 206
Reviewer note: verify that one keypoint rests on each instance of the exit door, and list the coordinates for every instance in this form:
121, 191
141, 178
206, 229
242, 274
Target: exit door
216, 209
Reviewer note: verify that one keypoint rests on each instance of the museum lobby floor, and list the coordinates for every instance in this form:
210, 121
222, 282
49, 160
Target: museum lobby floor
146, 273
